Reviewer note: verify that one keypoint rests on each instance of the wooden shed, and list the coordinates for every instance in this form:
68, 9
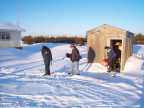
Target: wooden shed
118, 39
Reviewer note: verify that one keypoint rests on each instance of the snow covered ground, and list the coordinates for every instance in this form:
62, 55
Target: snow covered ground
22, 83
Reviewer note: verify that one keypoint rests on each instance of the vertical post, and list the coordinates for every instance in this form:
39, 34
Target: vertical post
18, 13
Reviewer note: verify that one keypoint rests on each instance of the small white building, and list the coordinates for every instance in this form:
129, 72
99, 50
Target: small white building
10, 35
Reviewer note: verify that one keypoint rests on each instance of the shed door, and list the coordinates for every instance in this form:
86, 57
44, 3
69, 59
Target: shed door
117, 46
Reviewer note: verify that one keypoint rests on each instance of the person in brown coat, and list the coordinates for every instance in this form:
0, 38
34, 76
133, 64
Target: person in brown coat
74, 57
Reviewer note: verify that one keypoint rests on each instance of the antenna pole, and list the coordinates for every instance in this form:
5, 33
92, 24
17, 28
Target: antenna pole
18, 13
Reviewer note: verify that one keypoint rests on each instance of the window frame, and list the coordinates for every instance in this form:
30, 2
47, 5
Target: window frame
5, 36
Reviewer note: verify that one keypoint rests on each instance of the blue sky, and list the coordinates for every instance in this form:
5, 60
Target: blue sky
72, 17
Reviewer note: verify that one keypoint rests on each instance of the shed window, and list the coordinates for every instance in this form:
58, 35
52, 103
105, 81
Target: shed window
5, 36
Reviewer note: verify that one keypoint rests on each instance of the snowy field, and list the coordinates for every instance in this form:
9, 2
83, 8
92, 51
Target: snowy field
22, 83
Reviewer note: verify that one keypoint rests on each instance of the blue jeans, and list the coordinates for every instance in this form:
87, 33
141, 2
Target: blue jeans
74, 64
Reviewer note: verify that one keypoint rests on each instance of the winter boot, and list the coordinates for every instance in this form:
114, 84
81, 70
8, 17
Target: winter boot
46, 74
70, 74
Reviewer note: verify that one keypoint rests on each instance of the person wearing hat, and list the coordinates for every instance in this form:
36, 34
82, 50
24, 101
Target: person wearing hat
74, 57
111, 58
47, 56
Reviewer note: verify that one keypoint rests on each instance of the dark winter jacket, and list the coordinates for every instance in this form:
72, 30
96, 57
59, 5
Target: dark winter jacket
46, 53
75, 55
111, 54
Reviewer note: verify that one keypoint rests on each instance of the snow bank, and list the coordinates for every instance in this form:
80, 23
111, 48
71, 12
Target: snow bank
134, 65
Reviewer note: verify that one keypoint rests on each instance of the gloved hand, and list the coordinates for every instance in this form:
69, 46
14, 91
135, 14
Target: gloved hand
68, 55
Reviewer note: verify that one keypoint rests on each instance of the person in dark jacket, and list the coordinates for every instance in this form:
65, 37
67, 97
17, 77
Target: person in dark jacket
74, 57
111, 58
47, 56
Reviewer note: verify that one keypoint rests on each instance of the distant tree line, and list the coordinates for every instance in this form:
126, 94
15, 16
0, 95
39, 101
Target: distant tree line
139, 39
46, 39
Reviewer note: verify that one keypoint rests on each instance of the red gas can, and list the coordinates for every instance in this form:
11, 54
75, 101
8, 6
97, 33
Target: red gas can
104, 63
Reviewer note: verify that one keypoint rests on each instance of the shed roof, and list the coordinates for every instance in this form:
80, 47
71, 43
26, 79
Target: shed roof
7, 26
108, 26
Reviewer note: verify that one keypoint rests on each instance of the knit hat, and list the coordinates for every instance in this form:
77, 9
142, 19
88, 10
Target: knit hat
72, 45
106, 47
